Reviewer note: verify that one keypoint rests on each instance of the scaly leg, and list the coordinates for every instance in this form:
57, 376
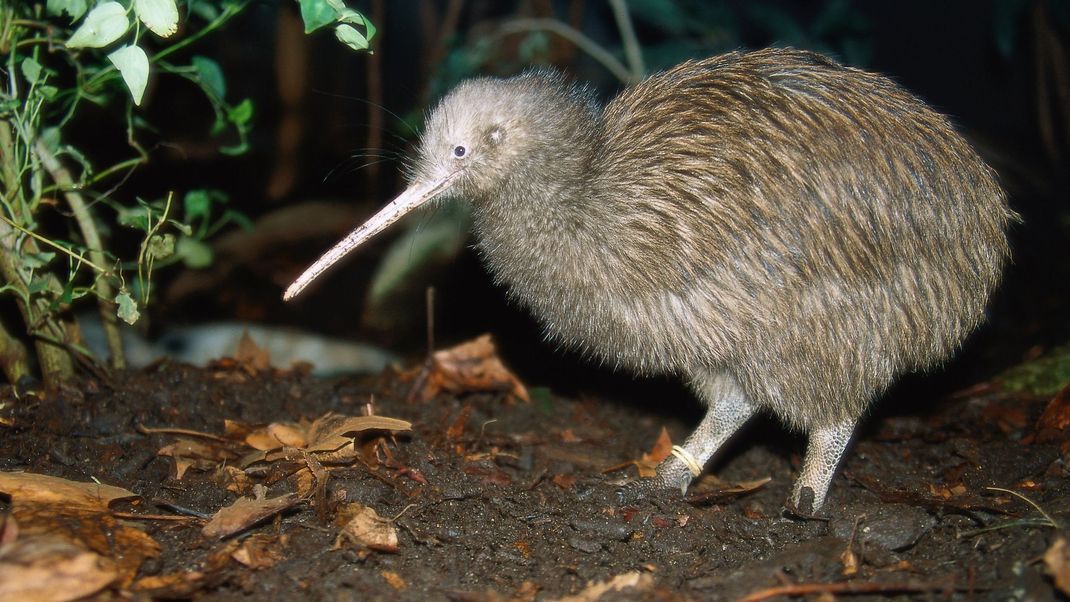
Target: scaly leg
728, 408
823, 454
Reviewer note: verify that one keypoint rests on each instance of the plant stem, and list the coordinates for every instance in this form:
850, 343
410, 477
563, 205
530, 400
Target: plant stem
628, 39
105, 294
103, 271
581, 41
55, 362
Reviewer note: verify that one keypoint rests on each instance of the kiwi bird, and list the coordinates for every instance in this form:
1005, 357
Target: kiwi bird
783, 232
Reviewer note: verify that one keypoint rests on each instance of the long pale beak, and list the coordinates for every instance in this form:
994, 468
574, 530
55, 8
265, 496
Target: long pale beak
413, 197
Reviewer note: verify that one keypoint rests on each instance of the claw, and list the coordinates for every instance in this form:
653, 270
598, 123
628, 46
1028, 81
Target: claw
801, 505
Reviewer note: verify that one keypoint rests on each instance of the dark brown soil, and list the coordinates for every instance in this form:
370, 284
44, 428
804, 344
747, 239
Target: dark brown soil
513, 501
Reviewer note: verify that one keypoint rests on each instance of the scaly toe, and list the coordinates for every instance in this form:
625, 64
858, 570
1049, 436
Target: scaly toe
671, 475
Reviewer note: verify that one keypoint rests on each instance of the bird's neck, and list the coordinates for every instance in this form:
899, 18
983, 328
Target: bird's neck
543, 228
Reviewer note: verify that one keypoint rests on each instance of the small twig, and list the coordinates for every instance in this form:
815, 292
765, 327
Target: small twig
166, 517
88, 226
1051, 521
144, 266
79, 258
802, 589
1022, 522
400, 514
483, 430
429, 362
181, 510
430, 320
175, 431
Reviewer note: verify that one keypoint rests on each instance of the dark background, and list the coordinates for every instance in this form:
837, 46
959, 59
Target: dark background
999, 69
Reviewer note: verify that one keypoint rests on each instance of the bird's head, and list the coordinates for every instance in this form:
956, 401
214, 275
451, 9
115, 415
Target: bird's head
481, 135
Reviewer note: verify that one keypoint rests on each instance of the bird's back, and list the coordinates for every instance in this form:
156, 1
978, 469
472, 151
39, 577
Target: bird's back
797, 206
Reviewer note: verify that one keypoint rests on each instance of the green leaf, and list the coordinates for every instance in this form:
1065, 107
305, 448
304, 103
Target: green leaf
133, 64
74, 8
194, 253
369, 29
183, 228
127, 308
67, 296
235, 149
161, 246
197, 204
48, 92
37, 285
37, 260
160, 16
133, 217
204, 9
210, 75
31, 70
349, 36
231, 216
353, 17
102, 26
1044, 376
242, 113
316, 14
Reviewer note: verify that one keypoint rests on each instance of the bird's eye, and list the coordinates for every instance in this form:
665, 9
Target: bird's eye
459, 151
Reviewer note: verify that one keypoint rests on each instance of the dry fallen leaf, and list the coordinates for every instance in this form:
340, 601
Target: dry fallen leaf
31, 488
648, 464
9, 529
635, 583
251, 356
276, 435
187, 453
245, 512
710, 489
564, 481
233, 479
50, 568
526, 592
1054, 423
78, 514
1057, 563
259, 551
181, 584
362, 525
456, 429
304, 482
332, 431
471, 366
395, 580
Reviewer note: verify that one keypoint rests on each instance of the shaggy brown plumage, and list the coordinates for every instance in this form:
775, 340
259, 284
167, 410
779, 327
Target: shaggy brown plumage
782, 231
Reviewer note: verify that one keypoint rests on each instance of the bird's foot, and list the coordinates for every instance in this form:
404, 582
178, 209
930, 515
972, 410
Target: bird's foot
671, 474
